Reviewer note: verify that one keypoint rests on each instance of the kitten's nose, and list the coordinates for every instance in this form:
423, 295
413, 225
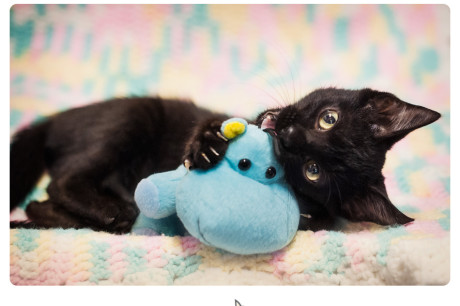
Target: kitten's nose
291, 138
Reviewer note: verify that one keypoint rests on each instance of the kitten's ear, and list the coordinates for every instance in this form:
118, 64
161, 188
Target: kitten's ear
237, 303
391, 118
375, 206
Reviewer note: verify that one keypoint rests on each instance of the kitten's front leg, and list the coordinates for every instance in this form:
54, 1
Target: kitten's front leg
207, 146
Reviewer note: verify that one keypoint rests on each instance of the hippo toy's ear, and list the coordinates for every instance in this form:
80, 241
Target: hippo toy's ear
233, 127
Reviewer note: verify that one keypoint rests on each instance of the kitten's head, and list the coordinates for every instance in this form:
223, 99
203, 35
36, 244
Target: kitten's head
333, 142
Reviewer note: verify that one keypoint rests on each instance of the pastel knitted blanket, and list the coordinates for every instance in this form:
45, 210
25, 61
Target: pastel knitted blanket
372, 256
241, 59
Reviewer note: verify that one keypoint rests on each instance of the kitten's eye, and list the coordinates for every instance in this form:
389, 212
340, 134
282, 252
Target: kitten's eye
244, 164
312, 171
328, 119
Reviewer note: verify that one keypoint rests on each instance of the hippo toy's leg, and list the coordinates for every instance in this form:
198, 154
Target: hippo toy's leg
156, 195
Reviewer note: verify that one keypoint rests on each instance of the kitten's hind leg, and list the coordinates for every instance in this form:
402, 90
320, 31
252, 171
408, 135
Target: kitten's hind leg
96, 206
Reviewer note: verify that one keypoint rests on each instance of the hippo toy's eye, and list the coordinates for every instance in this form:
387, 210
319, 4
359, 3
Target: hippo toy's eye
270, 173
244, 164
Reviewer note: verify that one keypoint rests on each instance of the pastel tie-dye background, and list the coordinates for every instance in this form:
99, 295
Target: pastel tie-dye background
242, 59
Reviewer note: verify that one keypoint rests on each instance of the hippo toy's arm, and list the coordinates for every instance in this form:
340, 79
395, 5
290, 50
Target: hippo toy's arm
156, 195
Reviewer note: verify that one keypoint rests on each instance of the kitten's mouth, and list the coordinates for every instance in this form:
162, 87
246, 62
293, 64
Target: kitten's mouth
276, 141
270, 131
269, 121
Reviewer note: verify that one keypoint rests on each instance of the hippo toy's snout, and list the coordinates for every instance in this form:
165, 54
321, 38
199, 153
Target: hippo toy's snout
264, 222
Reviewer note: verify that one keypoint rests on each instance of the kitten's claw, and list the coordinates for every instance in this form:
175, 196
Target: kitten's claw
206, 158
207, 146
214, 151
187, 164
219, 134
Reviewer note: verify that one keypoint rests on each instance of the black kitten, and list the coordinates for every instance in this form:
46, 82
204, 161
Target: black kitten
97, 154
332, 144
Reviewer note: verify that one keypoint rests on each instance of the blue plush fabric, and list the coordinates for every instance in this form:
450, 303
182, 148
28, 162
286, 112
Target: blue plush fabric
240, 211
148, 196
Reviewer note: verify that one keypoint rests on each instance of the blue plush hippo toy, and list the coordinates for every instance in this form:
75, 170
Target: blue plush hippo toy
243, 205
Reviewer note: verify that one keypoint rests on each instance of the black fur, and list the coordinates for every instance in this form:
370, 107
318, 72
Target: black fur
27, 161
96, 155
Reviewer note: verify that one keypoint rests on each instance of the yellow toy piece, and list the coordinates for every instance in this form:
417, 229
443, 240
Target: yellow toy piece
233, 129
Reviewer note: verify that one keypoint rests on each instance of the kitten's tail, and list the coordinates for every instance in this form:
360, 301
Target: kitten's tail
27, 162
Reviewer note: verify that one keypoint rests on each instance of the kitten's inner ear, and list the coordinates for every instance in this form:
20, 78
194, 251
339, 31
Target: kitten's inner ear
393, 118
375, 206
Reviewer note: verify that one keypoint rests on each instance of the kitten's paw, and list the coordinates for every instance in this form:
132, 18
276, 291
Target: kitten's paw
123, 223
207, 146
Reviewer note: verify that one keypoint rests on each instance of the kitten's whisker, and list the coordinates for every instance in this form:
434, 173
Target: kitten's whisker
274, 86
279, 87
329, 194
278, 81
277, 102
284, 56
283, 88
340, 194
302, 91
292, 79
